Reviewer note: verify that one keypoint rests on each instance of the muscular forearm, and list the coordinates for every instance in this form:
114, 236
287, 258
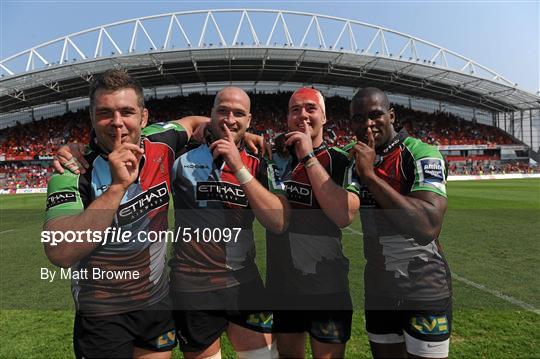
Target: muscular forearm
271, 210
338, 204
420, 218
96, 217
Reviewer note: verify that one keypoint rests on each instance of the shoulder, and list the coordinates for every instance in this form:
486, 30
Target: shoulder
339, 155
161, 127
419, 149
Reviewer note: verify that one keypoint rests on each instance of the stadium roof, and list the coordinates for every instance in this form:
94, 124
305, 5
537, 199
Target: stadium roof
232, 45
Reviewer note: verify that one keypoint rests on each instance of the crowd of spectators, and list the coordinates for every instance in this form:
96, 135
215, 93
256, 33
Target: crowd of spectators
38, 140
18, 175
490, 167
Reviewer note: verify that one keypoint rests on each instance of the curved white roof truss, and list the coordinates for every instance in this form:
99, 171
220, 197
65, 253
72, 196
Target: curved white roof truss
257, 45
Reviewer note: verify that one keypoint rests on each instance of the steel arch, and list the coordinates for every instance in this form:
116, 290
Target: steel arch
349, 51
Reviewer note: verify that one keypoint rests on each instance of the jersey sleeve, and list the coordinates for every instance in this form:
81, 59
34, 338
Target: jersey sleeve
343, 171
170, 133
267, 175
65, 196
427, 167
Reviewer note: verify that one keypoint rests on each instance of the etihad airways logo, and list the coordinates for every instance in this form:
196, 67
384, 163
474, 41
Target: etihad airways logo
221, 191
299, 192
58, 198
142, 204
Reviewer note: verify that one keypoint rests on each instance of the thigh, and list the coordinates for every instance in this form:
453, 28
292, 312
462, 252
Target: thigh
427, 332
102, 337
330, 326
291, 345
385, 333
247, 307
155, 327
327, 350
244, 339
197, 329
289, 321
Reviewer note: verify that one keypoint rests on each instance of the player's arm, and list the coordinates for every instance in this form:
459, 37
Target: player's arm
337, 203
419, 214
193, 125
270, 209
96, 217
124, 163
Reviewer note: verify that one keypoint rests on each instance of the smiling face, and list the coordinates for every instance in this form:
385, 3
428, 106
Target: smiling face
306, 108
117, 109
372, 111
231, 108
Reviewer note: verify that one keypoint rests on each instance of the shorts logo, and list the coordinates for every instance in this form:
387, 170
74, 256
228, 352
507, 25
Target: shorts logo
430, 324
299, 192
328, 330
221, 191
142, 204
58, 198
166, 339
261, 320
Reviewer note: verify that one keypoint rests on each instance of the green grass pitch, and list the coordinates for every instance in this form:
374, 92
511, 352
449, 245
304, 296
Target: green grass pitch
490, 237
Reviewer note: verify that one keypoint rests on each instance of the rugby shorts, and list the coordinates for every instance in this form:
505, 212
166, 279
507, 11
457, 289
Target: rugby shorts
115, 336
202, 317
326, 326
424, 326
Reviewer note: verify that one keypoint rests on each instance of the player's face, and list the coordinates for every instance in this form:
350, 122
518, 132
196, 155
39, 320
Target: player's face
305, 110
370, 112
231, 109
117, 109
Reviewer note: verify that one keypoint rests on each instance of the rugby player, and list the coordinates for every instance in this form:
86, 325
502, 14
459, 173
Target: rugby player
306, 268
215, 283
402, 182
127, 188
234, 175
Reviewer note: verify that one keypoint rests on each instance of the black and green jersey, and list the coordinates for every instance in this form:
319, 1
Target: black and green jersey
308, 258
397, 265
143, 208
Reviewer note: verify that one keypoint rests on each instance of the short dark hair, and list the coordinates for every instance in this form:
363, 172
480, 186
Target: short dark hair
113, 80
368, 92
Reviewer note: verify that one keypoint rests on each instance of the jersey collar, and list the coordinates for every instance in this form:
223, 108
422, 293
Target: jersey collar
395, 142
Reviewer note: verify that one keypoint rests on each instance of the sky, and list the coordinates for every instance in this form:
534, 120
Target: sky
504, 36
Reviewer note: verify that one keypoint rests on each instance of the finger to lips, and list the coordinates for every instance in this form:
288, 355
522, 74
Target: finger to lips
371, 139
118, 138
228, 134
306, 128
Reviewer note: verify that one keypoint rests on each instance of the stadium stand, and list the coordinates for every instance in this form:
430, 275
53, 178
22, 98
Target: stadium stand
26, 150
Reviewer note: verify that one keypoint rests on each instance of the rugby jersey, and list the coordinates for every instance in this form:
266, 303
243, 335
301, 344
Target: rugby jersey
308, 258
208, 201
143, 208
396, 265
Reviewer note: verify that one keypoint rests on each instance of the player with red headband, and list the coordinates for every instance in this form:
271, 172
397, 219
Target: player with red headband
307, 273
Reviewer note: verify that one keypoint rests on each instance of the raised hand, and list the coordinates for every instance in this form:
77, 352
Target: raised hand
301, 140
226, 148
70, 156
124, 161
254, 142
364, 155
